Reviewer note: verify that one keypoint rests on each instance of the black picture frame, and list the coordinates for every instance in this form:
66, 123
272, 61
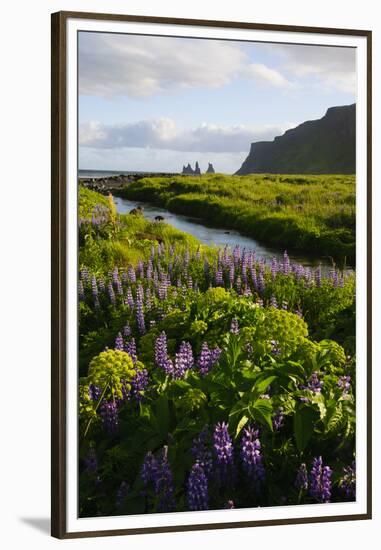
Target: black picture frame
59, 259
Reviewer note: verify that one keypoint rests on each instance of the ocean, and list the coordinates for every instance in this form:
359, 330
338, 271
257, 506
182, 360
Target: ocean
107, 173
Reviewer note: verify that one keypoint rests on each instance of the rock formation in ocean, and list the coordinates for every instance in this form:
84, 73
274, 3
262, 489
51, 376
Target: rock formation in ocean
324, 146
210, 169
197, 169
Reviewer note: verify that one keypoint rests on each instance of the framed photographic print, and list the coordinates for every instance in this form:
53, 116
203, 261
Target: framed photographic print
211, 275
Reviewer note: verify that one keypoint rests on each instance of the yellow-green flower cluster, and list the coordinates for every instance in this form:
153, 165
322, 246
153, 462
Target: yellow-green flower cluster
112, 368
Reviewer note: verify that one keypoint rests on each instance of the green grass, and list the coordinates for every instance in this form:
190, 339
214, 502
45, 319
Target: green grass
312, 214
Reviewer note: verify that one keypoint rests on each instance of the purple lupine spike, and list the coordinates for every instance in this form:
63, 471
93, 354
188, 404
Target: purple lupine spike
223, 454
314, 383
201, 452
219, 278
129, 298
81, 290
234, 327
101, 285
84, 273
111, 293
132, 274
183, 360
130, 348
161, 354
110, 417
301, 480
197, 489
344, 383
208, 358
261, 287
286, 263
320, 481
347, 483
251, 456
273, 302
140, 320
139, 383
278, 419
238, 284
119, 343
231, 275
156, 471
126, 330
94, 392
91, 461
274, 267
124, 277
190, 282
121, 494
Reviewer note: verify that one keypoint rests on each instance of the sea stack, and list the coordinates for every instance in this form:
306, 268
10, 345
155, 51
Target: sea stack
210, 169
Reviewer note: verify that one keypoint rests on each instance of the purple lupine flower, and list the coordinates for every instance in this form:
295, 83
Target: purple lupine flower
121, 494
273, 302
139, 383
119, 343
223, 454
320, 481
140, 316
111, 293
161, 354
286, 263
94, 392
261, 287
238, 284
208, 358
314, 383
149, 468
101, 285
219, 278
278, 419
148, 303
251, 456
81, 290
109, 416
275, 348
344, 383
126, 330
274, 267
132, 274
84, 274
347, 483
129, 298
201, 452
301, 481
130, 348
234, 328
231, 275
197, 489
91, 461
229, 505
158, 473
183, 360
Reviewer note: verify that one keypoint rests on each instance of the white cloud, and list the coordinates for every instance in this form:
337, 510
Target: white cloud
163, 133
327, 66
142, 66
268, 75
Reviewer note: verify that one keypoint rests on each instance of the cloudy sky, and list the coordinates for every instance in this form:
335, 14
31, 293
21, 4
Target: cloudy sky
156, 103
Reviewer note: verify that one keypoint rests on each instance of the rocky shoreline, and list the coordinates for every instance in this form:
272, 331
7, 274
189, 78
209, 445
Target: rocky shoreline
113, 184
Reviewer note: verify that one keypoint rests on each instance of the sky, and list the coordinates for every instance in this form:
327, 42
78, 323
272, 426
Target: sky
151, 103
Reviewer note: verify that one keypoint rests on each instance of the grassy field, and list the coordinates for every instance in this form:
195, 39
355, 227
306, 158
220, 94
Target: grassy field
313, 214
